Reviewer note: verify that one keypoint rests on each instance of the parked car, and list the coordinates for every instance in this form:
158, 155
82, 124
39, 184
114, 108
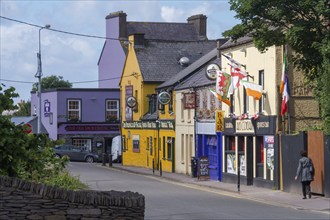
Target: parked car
75, 153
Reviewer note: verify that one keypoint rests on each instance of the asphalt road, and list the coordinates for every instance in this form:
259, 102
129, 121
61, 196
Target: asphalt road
172, 200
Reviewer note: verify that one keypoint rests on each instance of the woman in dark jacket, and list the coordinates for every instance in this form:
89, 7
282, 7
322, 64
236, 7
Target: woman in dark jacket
306, 171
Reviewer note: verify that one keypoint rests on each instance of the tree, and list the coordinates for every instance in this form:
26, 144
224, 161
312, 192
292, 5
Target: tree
24, 109
303, 25
52, 82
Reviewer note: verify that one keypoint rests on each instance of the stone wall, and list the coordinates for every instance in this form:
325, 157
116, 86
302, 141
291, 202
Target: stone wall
20, 199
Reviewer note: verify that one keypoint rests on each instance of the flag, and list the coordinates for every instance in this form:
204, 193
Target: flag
252, 89
283, 74
236, 72
222, 85
285, 96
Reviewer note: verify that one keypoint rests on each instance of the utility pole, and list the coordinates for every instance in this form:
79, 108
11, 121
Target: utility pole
39, 75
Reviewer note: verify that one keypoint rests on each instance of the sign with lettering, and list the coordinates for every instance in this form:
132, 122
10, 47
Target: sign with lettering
219, 120
46, 108
163, 124
164, 98
189, 100
203, 168
265, 125
244, 127
269, 141
229, 126
92, 127
211, 71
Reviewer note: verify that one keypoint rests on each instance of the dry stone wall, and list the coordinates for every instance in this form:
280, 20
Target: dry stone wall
21, 199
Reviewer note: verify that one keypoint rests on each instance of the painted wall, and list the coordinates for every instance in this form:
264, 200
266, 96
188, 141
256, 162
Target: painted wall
185, 138
93, 106
254, 61
112, 57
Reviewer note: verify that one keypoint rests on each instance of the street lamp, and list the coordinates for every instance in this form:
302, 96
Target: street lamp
39, 75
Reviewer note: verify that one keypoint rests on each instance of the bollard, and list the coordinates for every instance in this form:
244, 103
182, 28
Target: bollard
160, 169
110, 160
103, 159
153, 166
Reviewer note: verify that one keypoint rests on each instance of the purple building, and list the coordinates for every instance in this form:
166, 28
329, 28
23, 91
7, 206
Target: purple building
88, 118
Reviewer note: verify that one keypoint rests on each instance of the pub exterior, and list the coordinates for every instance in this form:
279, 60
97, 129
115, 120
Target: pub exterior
255, 143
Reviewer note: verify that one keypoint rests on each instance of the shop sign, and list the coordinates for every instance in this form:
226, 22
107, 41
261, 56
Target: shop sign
219, 120
166, 124
131, 101
164, 98
92, 127
265, 125
203, 168
140, 124
189, 100
46, 108
211, 71
229, 126
244, 127
269, 146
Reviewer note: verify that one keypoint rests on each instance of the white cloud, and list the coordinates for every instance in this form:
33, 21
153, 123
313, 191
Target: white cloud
171, 14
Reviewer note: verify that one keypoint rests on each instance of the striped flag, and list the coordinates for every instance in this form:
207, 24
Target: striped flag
283, 72
285, 96
253, 89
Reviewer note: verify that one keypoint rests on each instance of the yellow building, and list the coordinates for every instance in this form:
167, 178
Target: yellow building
148, 130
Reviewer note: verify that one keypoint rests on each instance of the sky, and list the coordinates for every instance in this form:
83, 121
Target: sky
75, 57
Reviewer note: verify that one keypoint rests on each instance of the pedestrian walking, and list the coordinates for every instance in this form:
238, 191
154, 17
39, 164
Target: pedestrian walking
306, 171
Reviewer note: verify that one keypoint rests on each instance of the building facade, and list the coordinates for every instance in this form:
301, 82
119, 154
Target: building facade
88, 118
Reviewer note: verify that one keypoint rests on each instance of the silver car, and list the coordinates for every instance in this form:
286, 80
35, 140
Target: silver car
75, 153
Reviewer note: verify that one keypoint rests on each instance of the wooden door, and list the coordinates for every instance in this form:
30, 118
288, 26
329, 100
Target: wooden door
315, 150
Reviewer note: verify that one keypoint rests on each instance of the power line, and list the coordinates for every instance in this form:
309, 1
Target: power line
78, 82
60, 31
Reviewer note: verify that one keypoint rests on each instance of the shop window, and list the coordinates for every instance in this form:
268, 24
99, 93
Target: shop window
260, 157
230, 165
136, 143
164, 152
241, 145
169, 147
84, 144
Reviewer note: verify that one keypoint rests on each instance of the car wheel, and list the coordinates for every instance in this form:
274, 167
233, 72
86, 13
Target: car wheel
89, 159
57, 156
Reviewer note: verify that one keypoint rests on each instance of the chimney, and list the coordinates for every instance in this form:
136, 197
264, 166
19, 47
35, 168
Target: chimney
199, 22
138, 40
122, 23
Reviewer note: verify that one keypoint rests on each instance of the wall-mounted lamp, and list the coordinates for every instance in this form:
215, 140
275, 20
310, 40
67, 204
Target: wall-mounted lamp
243, 50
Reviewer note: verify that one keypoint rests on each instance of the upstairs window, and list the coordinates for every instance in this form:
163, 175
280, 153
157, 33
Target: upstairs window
152, 103
112, 110
74, 110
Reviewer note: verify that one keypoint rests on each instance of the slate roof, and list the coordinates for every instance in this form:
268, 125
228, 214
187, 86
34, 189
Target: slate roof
239, 41
192, 68
159, 61
29, 120
198, 79
164, 31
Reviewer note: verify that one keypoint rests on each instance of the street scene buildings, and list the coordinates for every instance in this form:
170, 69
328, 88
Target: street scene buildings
162, 89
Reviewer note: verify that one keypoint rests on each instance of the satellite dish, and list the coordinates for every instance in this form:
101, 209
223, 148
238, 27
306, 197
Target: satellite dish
184, 61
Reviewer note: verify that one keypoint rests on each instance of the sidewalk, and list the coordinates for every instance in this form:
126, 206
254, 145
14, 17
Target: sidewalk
268, 196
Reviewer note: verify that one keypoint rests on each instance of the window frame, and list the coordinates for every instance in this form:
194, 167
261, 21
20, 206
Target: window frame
112, 110
71, 110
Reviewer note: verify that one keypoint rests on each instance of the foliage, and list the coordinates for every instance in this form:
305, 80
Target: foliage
24, 109
28, 156
303, 25
66, 181
52, 82
6, 99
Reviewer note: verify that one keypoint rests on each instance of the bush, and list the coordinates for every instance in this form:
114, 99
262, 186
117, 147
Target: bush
66, 181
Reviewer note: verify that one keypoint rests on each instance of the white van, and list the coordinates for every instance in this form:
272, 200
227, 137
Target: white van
116, 149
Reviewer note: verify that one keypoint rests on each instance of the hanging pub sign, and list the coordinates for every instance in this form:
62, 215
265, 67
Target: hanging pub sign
164, 98
131, 102
219, 120
189, 100
211, 71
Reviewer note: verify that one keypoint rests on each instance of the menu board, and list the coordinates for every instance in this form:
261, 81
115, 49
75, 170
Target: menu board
203, 168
